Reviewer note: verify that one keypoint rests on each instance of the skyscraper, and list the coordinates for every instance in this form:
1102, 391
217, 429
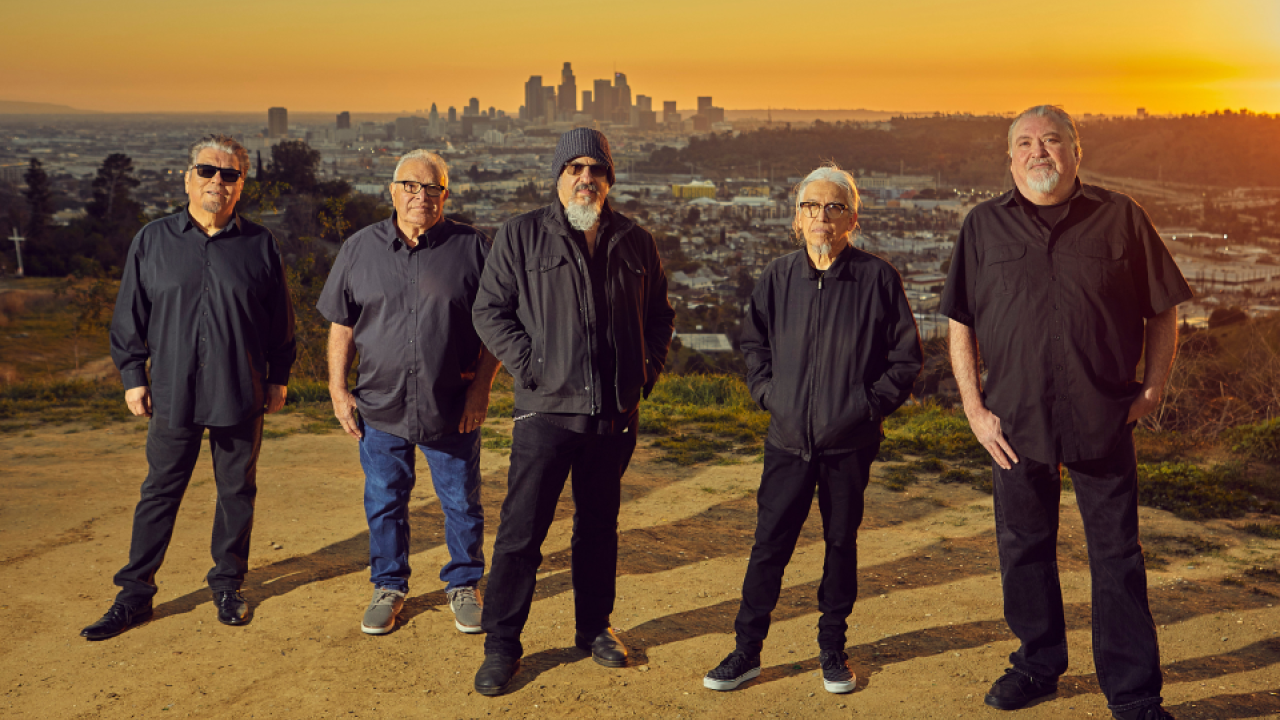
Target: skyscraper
344, 120
548, 104
453, 114
602, 105
568, 93
434, 115
473, 108
704, 104
533, 99
586, 103
621, 99
277, 122
669, 112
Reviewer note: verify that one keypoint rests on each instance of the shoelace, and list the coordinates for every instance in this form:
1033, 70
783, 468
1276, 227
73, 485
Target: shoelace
465, 595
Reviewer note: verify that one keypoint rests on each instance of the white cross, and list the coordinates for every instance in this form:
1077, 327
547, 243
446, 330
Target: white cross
17, 246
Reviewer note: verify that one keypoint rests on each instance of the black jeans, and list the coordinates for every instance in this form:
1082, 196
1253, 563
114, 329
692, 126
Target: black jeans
1125, 652
543, 455
785, 496
171, 456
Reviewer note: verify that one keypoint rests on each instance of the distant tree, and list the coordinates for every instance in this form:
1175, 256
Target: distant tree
1222, 317
745, 285
92, 301
112, 203
693, 217
39, 194
294, 162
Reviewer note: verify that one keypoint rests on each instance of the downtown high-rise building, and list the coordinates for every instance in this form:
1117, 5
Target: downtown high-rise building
568, 93
532, 99
344, 120
277, 122
602, 105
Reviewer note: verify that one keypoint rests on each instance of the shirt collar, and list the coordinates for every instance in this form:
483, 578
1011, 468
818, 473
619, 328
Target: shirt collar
390, 233
1015, 196
189, 223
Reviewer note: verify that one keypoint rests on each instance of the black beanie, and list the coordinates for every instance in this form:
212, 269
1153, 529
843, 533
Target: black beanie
582, 142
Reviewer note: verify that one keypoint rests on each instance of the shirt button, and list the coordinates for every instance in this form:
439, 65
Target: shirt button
1053, 277
410, 342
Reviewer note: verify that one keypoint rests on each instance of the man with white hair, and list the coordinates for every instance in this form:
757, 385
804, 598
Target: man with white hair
1061, 288
831, 349
574, 301
400, 295
203, 338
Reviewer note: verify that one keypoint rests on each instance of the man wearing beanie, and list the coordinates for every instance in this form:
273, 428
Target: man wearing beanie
573, 300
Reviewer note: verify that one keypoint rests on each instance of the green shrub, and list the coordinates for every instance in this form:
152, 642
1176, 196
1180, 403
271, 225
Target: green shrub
1193, 493
1260, 442
1266, 531
930, 430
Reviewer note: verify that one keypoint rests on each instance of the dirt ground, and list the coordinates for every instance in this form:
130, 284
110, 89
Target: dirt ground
926, 638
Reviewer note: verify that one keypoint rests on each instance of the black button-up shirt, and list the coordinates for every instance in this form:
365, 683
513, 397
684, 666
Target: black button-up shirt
1059, 313
410, 310
213, 315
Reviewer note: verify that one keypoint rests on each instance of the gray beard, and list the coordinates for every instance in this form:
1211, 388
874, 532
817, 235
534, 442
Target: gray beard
581, 216
1044, 185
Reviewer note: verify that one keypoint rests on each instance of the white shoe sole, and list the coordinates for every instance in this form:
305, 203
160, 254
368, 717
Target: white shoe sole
712, 684
468, 629
377, 630
839, 688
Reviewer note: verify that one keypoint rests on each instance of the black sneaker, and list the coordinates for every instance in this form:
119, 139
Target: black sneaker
1146, 712
1015, 690
836, 675
734, 670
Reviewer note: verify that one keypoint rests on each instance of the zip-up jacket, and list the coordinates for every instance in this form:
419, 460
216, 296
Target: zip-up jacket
535, 312
829, 354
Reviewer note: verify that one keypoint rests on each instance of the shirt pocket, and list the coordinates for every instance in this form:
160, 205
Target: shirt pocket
1101, 260
1007, 264
546, 277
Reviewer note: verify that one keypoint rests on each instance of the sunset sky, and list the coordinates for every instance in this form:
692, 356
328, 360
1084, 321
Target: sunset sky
910, 55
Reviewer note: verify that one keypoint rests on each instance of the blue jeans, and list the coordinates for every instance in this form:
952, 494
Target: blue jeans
389, 477
1126, 654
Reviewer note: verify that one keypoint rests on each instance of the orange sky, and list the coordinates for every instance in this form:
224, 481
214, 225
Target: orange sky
910, 55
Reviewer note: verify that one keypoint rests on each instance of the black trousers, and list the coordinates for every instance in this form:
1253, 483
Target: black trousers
1027, 499
783, 501
171, 456
543, 456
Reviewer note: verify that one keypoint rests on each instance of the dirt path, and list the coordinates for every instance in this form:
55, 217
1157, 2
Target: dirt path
926, 639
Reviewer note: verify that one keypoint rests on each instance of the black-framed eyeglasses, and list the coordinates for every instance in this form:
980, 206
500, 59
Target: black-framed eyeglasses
413, 187
207, 171
575, 169
835, 211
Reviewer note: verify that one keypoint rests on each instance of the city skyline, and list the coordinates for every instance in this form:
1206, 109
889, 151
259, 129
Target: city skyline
986, 56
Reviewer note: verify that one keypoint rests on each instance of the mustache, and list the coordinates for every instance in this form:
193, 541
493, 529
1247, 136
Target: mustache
585, 186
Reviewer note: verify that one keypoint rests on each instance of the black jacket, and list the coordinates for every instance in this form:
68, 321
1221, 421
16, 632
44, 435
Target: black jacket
535, 312
829, 355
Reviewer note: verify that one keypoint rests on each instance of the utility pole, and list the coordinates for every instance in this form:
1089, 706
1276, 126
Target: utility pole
17, 246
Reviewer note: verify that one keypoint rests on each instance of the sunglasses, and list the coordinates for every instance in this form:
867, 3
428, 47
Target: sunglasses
228, 174
600, 171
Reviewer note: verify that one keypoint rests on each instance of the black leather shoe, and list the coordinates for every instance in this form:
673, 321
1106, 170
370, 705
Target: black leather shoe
605, 648
118, 619
233, 609
1015, 690
495, 674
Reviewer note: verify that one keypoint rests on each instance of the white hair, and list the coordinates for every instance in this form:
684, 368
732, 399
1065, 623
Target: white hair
1051, 111
435, 161
832, 173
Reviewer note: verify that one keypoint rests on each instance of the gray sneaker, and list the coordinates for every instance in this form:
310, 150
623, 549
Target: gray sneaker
465, 603
380, 618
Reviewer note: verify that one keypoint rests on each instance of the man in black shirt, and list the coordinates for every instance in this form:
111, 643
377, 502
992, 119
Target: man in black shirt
400, 294
574, 301
203, 298
1061, 286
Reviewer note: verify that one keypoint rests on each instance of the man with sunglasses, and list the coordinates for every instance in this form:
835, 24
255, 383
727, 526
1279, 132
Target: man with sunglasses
831, 349
574, 302
400, 295
203, 298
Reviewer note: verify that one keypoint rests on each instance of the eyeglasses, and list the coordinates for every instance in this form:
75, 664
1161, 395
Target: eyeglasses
835, 211
575, 169
413, 187
228, 174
